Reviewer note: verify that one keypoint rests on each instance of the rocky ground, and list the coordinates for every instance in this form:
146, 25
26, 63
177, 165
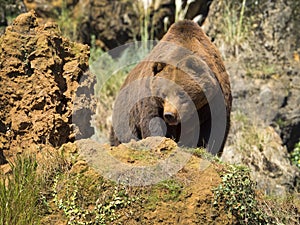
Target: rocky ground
45, 86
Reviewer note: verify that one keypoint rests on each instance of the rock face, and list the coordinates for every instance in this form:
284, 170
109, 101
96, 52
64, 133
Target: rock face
113, 22
39, 72
265, 79
265, 84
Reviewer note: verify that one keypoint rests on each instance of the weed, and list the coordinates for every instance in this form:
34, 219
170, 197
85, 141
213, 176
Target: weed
106, 212
74, 213
295, 155
283, 209
19, 193
237, 23
248, 134
145, 11
234, 24
204, 154
236, 194
172, 189
261, 70
85, 201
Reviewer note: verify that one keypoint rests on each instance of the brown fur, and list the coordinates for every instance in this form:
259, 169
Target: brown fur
196, 67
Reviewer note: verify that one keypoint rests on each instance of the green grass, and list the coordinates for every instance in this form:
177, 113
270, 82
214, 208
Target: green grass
236, 20
20, 194
167, 191
235, 28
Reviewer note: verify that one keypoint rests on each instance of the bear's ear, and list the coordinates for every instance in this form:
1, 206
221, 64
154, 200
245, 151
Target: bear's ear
157, 67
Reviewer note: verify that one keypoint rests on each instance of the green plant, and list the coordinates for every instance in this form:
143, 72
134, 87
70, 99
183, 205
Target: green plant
236, 194
295, 155
19, 193
144, 9
106, 212
204, 154
172, 189
76, 207
74, 213
248, 134
261, 70
236, 24
67, 22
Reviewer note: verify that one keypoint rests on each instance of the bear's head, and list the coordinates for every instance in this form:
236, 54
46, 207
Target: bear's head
184, 88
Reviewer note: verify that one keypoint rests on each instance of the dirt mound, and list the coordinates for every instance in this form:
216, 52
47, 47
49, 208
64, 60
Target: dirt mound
110, 185
184, 196
39, 73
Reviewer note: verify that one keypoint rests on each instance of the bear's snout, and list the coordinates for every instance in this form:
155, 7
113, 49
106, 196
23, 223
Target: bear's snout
170, 114
170, 118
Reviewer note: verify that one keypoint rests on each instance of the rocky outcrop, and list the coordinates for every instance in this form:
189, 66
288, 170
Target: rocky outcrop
271, 99
40, 72
265, 79
154, 161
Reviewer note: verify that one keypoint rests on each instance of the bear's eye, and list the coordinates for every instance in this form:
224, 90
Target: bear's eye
181, 94
157, 67
163, 95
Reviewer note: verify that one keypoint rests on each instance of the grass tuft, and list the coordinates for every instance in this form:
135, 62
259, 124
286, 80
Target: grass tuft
19, 193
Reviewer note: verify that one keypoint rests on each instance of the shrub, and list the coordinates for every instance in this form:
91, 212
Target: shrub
295, 155
236, 194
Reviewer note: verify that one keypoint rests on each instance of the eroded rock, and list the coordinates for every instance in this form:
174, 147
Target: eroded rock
39, 72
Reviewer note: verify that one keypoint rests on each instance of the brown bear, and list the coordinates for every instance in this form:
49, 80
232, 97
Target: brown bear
180, 90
